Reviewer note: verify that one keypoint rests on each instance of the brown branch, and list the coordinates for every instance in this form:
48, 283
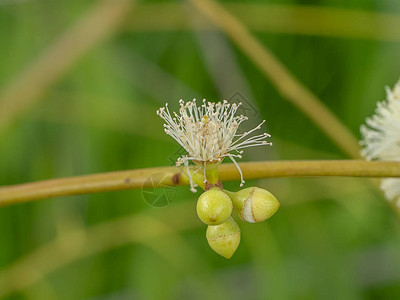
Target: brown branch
285, 82
275, 18
27, 88
80, 243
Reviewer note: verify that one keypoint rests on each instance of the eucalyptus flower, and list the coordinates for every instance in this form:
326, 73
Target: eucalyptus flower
381, 138
208, 133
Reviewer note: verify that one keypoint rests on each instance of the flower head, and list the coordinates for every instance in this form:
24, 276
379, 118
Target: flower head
208, 133
381, 138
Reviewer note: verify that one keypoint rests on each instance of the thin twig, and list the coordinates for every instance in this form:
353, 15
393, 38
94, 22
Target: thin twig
82, 243
287, 85
27, 88
276, 18
173, 176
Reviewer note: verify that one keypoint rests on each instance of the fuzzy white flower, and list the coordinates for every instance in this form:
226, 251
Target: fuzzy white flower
381, 138
208, 133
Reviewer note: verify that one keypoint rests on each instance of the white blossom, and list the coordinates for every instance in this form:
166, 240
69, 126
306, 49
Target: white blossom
208, 133
381, 138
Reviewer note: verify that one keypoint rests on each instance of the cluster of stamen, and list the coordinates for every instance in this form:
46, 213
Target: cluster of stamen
381, 138
208, 133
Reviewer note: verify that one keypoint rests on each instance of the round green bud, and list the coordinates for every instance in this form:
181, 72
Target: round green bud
254, 204
224, 239
214, 207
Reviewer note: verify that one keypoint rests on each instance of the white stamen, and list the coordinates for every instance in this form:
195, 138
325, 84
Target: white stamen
381, 138
239, 169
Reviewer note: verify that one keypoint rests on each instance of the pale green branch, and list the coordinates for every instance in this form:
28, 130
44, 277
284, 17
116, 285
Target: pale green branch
173, 176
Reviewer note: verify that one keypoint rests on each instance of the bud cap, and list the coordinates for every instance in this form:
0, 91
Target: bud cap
254, 204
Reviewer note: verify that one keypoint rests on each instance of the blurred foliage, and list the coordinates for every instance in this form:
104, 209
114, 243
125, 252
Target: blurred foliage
331, 239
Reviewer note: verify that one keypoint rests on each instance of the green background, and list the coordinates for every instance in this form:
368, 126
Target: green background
333, 238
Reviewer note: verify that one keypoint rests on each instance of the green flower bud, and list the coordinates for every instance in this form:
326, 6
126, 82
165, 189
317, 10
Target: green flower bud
225, 238
214, 207
254, 204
